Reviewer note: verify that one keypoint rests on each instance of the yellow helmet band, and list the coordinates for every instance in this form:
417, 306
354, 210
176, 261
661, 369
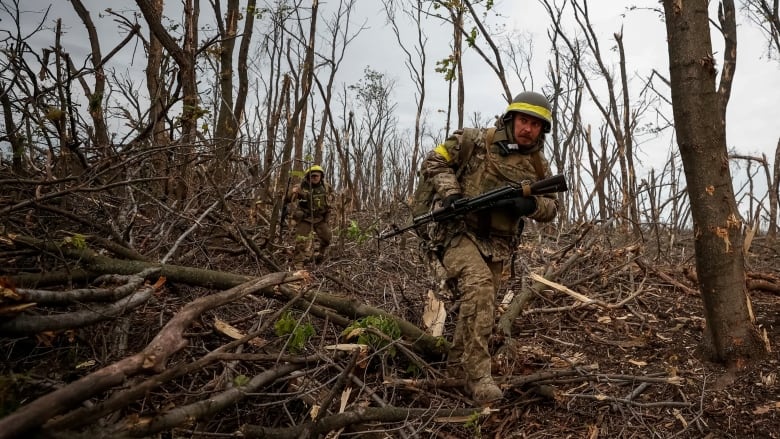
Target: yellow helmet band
533, 109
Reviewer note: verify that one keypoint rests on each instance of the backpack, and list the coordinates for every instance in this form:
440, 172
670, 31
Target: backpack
425, 193
425, 197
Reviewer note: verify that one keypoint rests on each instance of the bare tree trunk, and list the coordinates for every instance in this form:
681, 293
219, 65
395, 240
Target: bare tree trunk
620, 124
226, 131
158, 99
184, 57
458, 52
629, 183
774, 193
243, 70
13, 137
96, 98
496, 64
273, 102
302, 107
58, 113
416, 68
730, 335
341, 36
286, 165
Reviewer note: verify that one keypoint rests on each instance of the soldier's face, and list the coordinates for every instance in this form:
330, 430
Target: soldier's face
527, 129
315, 177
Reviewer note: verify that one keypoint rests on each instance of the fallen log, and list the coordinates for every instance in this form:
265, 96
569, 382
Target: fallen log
168, 341
362, 415
99, 264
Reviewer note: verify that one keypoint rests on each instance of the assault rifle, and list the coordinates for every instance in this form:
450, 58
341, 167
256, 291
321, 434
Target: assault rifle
487, 200
285, 207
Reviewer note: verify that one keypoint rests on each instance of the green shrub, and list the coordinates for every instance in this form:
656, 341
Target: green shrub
383, 324
356, 234
299, 334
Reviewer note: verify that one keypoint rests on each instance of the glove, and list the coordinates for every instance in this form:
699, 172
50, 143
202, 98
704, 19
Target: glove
523, 206
450, 200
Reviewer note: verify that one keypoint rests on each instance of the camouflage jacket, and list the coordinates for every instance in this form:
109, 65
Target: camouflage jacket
313, 202
494, 230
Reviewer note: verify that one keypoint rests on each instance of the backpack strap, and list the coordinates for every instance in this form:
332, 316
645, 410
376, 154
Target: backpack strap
536, 160
491, 132
467, 147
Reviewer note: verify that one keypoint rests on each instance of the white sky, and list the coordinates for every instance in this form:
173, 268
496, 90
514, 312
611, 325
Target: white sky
752, 117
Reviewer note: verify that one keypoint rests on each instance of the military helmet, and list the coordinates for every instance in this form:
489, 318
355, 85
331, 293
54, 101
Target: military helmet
533, 104
314, 168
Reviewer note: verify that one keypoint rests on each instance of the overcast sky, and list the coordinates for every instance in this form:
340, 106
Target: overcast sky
753, 126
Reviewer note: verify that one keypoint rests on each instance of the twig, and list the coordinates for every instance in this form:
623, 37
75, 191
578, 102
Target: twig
153, 357
604, 398
197, 223
645, 266
365, 414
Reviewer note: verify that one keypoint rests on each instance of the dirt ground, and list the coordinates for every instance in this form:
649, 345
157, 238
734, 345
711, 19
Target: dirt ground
626, 365
640, 350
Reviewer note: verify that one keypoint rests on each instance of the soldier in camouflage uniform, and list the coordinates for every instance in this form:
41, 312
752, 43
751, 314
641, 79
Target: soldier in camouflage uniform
314, 199
473, 250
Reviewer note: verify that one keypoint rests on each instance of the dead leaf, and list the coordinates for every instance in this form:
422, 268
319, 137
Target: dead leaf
45, 338
567, 360
14, 309
354, 333
88, 363
593, 431
508, 297
764, 409
680, 418
434, 315
345, 399
7, 290
638, 363
160, 282
226, 329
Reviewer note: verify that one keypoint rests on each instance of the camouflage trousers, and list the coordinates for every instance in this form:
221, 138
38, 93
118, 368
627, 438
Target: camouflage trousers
304, 239
478, 282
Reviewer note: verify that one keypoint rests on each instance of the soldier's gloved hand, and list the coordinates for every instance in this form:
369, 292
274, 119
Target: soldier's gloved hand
450, 200
525, 206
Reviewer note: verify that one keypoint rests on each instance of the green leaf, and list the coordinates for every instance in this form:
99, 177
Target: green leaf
241, 381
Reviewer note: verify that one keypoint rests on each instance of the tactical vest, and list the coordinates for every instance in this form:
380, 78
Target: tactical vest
482, 169
313, 200
490, 167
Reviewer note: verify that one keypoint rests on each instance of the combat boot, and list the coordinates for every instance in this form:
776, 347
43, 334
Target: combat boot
321, 254
484, 390
455, 371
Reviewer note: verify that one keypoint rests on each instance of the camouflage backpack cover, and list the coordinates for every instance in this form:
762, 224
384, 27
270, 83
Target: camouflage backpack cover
425, 197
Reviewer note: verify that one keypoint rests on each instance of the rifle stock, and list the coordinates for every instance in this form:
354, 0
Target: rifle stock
554, 184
